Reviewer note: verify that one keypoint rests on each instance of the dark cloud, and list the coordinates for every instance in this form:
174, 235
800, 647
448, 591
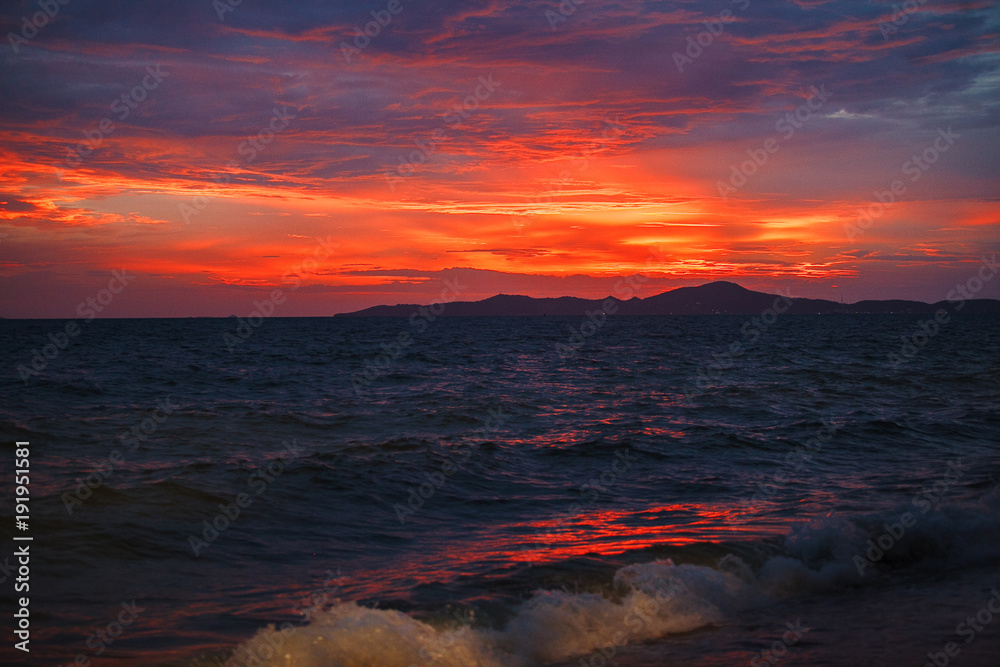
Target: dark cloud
11, 204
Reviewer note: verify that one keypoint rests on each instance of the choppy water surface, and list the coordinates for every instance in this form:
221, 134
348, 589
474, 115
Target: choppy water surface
485, 500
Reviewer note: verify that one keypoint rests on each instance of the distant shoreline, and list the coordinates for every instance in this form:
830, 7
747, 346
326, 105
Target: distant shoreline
977, 311
716, 298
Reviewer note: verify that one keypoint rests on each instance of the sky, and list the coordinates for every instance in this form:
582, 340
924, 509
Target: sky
359, 153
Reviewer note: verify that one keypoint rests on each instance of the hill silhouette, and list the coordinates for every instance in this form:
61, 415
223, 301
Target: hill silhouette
715, 298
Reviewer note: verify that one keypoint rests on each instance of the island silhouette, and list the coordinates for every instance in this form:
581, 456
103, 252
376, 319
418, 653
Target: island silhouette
715, 298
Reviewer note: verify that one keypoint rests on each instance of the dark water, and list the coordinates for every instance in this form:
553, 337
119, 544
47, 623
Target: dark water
484, 501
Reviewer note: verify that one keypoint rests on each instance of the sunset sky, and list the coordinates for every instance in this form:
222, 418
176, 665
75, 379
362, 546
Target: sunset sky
526, 147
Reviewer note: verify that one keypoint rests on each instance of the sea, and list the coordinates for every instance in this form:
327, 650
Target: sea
635, 491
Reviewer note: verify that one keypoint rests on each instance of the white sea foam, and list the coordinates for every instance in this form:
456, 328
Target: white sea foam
650, 600
659, 598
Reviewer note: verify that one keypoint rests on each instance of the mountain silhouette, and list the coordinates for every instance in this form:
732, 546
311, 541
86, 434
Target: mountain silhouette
715, 298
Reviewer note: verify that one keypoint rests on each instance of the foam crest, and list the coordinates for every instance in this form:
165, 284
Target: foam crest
648, 600
348, 635
661, 598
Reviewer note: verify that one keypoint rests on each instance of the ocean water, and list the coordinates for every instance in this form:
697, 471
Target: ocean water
504, 491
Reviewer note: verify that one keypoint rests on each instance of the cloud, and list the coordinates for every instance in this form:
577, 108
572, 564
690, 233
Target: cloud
396, 156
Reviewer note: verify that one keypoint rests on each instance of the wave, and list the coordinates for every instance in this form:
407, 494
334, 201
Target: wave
660, 598
646, 600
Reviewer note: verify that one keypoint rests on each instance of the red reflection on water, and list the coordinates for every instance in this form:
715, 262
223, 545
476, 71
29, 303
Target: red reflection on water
492, 551
610, 531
